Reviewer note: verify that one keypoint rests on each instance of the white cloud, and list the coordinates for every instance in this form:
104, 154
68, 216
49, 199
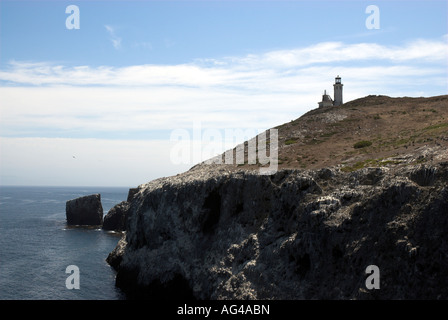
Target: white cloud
337, 52
233, 71
113, 110
116, 41
45, 101
84, 162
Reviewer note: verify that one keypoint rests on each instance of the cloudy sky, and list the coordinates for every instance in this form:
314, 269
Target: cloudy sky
98, 105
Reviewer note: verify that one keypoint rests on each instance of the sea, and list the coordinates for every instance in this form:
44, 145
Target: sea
41, 258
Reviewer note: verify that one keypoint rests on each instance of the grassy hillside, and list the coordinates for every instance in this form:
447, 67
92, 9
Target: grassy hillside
370, 131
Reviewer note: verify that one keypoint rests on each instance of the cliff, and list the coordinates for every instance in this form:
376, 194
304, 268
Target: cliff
220, 234
227, 232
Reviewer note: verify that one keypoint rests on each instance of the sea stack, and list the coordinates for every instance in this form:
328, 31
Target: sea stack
116, 218
85, 210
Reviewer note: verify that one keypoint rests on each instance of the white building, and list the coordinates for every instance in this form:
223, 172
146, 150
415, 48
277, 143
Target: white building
326, 99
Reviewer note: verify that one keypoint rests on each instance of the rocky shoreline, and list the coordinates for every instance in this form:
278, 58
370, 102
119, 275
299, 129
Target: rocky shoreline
219, 232
88, 211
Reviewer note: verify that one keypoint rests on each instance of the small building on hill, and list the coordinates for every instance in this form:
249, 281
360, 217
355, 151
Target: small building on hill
326, 99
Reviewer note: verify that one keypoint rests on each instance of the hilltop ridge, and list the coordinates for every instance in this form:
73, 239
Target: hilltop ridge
389, 131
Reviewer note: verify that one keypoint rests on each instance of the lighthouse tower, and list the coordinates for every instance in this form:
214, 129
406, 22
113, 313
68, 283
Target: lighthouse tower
337, 91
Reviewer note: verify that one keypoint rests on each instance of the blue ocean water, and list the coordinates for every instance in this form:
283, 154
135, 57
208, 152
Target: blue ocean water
36, 246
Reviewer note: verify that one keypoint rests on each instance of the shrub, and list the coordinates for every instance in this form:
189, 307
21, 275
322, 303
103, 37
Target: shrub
362, 144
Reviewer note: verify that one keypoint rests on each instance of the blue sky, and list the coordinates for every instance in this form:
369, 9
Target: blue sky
173, 32
97, 105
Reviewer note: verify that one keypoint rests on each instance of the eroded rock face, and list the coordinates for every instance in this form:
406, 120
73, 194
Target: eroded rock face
114, 258
86, 210
212, 233
116, 218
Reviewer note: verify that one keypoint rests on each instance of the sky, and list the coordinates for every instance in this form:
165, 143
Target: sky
98, 96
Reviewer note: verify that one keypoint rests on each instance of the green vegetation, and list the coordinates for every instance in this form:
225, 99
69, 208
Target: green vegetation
437, 126
328, 134
315, 141
362, 144
290, 141
369, 163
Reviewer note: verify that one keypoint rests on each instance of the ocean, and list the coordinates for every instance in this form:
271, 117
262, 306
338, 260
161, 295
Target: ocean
36, 246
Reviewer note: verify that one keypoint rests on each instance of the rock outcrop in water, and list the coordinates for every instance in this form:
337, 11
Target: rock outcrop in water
116, 218
218, 232
86, 210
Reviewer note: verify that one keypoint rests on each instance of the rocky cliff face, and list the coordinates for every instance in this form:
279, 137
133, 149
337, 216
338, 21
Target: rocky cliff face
116, 217
219, 232
86, 210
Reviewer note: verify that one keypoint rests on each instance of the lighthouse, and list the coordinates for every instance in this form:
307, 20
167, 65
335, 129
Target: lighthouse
337, 91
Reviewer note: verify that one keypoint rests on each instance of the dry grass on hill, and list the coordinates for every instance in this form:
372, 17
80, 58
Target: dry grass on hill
370, 131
